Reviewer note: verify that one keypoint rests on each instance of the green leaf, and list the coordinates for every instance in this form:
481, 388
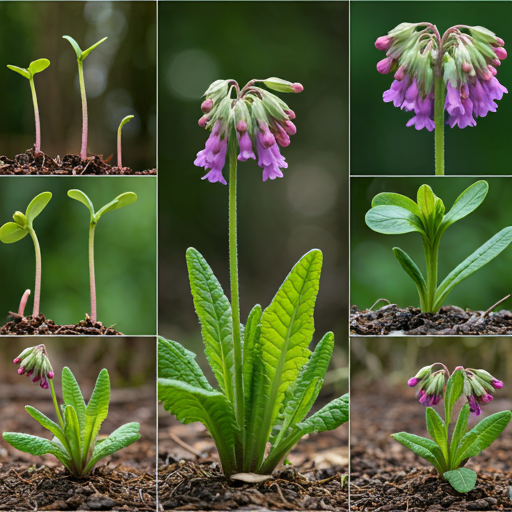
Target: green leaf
75, 46
393, 220
392, 199
124, 121
73, 396
477, 260
38, 65
46, 423
331, 416
252, 334
177, 363
427, 205
214, 312
91, 48
121, 438
425, 448
190, 404
412, 269
120, 201
22, 71
466, 203
80, 196
460, 430
462, 479
12, 232
454, 388
72, 432
287, 328
437, 430
36, 206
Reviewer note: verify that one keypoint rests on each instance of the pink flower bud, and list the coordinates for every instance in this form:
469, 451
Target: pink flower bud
464, 94
497, 384
207, 105
44, 384
297, 87
466, 67
487, 75
384, 65
492, 69
399, 75
384, 43
21, 370
290, 114
16, 360
202, 122
29, 373
500, 41
501, 53
496, 62
289, 128
51, 375
413, 381
486, 398
241, 127
267, 140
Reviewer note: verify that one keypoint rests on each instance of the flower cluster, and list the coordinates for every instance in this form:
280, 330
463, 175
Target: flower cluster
34, 363
256, 119
479, 388
431, 390
465, 59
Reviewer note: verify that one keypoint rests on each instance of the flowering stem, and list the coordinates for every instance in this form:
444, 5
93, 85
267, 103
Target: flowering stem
56, 405
431, 257
92, 278
439, 124
37, 286
36, 115
83, 150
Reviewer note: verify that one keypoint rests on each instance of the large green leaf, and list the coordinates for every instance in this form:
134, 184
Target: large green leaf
37, 205
252, 334
73, 396
72, 431
437, 430
12, 232
412, 269
425, 448
393, 220
461, 479
459, 432
46, 423
329, 417
392, 199
211, 408
177, 363
454, 388
466, 203
214, 312
477, 260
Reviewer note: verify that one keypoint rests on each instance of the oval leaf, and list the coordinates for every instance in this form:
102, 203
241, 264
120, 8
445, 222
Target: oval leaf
466, 203
119, 202
462, 479
392, 199
412, 269
78, 195
22, 71
393, 220
38, 65
11, 232
37, 205
75, 46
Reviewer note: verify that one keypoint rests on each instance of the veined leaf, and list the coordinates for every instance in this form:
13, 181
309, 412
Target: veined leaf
466, 203
72, 431
211, 408
46, 423
251, 338
454, 388
392, 199
12, 232
412, 269
461, 479
177, 363
458, 433
214, 312
329, 417
437, 430
477, 260
393, 220
425, 448
73, 396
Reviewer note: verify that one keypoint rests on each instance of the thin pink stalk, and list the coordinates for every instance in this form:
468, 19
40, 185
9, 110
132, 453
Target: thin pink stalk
92, 278
83, 150
119, 163
36, 115
23, 303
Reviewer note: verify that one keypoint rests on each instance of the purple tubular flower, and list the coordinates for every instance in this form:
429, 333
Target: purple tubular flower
473, 406
396, 92
430, 400
424, 110
270, 159
486, 398
246, 152
216, 165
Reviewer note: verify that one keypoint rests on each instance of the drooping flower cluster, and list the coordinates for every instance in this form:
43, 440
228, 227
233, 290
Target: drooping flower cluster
35, 364
256, 119
431, 390
479, 388
464, 59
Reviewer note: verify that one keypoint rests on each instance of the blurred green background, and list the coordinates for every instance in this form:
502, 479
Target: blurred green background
279, 220
120, 77
380, 141
375, 272
125, 251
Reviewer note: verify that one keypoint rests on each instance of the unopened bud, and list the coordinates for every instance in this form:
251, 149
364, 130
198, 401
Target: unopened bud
51, 375
20, 219
384, 43
207, 105
500, 41
297, 87
496, 62
384, 65
492, 69
289, 128
290, 114
501, 53
400, 73
413, 381
241, 127
466, 67
497, 384
202, 121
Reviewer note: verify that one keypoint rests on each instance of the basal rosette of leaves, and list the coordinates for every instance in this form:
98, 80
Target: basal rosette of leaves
395, 214
449, 453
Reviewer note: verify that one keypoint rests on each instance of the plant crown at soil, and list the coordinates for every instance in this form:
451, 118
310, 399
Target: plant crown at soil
448, 454
21, 227
395, 214
75, 442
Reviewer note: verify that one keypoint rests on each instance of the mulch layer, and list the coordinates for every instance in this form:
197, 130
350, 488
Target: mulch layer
42, 164
385, 476
47, 488
39, 326
449, 320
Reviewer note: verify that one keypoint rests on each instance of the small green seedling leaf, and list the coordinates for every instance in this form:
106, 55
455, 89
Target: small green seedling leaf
22, 71
37, 205
120, 201
91, 48
75, 46
12, 232
127, 119
83, 198
461, 479
38, 65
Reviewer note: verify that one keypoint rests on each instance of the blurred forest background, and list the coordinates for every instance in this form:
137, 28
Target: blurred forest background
279, 220
120, 77
125, 252
376, 273
380, 141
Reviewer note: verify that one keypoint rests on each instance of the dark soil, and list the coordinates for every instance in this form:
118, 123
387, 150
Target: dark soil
448, 321
39, 326
41, 164
386, 476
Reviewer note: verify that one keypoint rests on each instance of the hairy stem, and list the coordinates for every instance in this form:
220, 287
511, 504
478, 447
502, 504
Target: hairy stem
37, 286
439, 124
56, 405
119, 163
36, 116
92, 278
83, 150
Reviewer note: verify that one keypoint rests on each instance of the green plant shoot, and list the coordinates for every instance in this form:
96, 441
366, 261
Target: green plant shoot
395, 214
35, 67
22, 226
120, 201
80, 57
127, 119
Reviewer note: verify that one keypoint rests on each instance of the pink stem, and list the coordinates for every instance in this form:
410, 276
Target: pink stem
23, 303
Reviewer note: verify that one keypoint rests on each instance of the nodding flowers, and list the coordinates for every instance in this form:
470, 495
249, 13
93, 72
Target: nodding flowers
257, 120
35, 364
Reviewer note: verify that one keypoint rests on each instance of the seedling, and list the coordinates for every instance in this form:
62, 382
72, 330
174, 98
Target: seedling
449, 453
20, 228
119, 202
80, 57
75, 442
268, 378
35, 67
123, 122
395, 214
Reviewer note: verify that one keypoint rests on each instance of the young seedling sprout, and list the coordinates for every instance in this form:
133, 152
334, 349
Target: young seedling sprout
448, 451
23, 226
395, 214
35, 67
119, 202
123, 122
75, 440
80, 57
267, 377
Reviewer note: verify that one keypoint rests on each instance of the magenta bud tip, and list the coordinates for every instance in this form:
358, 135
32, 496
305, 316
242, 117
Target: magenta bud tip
466, 67
384, 65
51, 375
241, 126
497, 384
412, 382
400, 74
21, 370
16, 360
290, 114
207, 105
202, 121
297, 87
500, 41
384, 43
44, 385
501, 53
